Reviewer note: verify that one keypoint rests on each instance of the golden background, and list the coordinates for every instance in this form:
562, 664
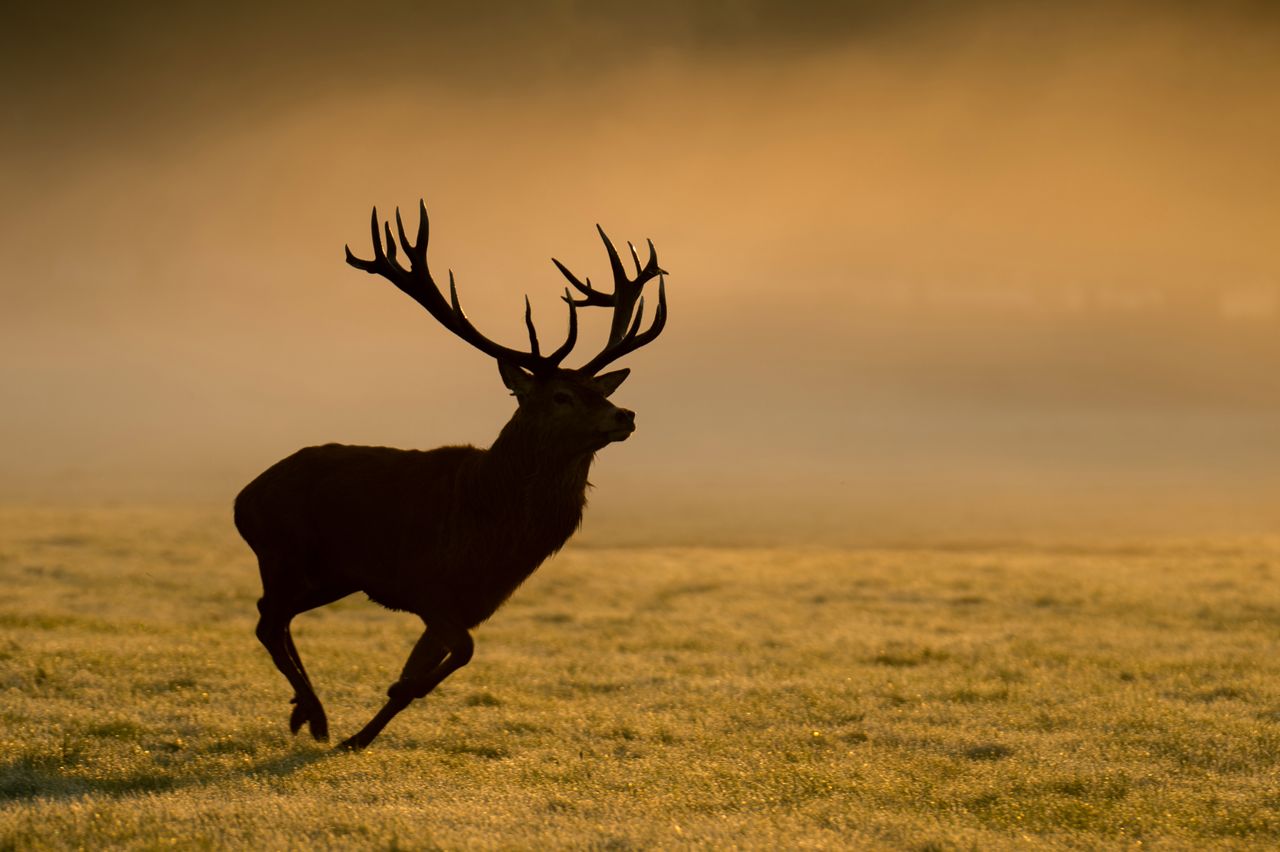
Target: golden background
936, 269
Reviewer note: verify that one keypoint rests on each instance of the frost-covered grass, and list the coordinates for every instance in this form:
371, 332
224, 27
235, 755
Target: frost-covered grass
942, 698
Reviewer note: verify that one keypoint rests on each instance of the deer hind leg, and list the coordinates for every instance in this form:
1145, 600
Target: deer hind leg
273, 632
310, 711
440, 652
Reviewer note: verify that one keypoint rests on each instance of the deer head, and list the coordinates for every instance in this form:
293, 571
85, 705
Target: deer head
569, 405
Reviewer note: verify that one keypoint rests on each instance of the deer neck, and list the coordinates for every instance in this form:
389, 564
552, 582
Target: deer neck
537, 474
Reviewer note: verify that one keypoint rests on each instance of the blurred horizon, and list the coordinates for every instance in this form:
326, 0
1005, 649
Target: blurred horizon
935, 270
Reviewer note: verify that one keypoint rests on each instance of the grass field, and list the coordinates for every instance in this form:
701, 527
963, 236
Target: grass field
907, 698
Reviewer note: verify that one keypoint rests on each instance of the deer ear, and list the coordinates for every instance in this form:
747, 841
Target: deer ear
515, 378
608, 383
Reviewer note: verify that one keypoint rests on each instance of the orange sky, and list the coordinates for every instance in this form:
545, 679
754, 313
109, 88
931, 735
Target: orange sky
986, 263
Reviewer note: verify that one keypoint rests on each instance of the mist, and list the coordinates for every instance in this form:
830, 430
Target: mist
992, 271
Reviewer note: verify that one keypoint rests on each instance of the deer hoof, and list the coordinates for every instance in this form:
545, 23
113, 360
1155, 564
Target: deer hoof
313, 715
350, 744
319, 728
297, 717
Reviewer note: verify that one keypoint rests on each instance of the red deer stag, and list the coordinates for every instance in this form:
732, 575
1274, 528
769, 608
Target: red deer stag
446, 534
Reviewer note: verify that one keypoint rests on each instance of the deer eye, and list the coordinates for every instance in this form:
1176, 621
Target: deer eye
562, 398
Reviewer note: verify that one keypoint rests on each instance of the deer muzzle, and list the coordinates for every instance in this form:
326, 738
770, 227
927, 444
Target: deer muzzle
624, 423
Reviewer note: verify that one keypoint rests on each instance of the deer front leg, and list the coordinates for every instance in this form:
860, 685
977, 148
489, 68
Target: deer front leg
440, 652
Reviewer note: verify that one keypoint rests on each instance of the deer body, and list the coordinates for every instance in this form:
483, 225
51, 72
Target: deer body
447, 534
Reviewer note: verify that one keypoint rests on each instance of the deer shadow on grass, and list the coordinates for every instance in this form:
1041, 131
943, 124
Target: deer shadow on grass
55, 776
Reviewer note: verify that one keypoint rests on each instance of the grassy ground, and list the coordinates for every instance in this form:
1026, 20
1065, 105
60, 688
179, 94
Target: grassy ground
901, 698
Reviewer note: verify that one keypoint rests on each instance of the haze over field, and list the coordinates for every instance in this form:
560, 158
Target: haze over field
933, 269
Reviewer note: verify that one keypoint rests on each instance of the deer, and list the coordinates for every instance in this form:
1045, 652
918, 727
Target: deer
446, 534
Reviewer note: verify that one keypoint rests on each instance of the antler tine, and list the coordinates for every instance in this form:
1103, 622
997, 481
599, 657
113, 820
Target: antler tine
615, 262
528, 321
404, 240
391, 243
633, 339
593, 296
417, 283
635, 258
572, 337
653, 260
375, 234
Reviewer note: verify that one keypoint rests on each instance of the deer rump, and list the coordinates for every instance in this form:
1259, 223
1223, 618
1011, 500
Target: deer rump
459, 560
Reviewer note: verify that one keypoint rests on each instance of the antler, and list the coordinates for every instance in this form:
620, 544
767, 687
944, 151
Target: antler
626, 299
417, 283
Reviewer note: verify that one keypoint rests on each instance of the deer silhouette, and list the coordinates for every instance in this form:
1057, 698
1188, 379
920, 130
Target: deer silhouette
446, 534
